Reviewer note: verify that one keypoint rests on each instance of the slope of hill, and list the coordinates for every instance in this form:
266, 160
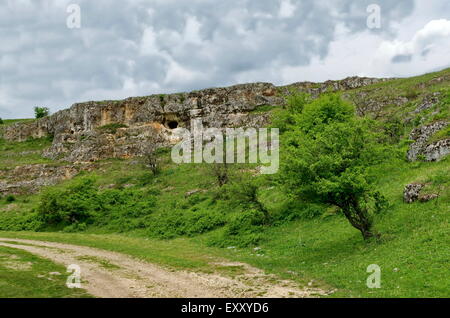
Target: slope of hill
182, 207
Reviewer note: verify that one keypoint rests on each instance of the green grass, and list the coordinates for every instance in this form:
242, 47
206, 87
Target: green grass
413, 254
180, 253
111, 128
14, 154
440, 135
8, 122
23, 275
98, 260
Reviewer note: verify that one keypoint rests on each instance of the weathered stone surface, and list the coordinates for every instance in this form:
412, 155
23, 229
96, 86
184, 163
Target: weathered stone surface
438, 150
428, 102
420, 146
412, 192
30, 178
77, 137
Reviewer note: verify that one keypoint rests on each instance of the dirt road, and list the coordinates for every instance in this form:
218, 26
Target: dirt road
113, 275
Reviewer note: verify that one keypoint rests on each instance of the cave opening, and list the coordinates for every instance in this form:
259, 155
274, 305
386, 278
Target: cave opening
173, 124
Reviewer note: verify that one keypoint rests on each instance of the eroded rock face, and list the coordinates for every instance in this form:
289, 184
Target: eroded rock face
30, 178
438, 150
78, 136
420, 146
428, 102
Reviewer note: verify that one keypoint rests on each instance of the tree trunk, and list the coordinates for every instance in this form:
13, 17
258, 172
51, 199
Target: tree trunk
359, 219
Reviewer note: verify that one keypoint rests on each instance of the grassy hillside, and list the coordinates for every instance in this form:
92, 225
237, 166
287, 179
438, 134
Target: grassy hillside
180, 216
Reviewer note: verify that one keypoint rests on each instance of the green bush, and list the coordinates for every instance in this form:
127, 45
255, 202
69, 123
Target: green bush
242, 230
111, 128
122, 210
20, 222
294, 210
285, 118
75, 204
10, 198
184, 222
41, 112
117, 210
394, 130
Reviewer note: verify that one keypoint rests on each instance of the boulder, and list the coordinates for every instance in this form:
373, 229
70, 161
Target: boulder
412, 192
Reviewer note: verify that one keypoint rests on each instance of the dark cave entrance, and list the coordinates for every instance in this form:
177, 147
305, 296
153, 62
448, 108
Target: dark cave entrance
173, 124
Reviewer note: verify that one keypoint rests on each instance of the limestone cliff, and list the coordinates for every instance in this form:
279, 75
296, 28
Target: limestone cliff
121, 129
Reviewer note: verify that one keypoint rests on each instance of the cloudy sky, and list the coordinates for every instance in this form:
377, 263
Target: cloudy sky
134, 47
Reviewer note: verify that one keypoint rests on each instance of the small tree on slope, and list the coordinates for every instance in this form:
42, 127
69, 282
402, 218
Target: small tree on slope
325, 157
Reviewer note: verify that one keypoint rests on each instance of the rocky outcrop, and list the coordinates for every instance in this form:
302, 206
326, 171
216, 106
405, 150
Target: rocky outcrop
30, 178
316, 89
427, 103
438, 150
421, 147
78, 135
412, 192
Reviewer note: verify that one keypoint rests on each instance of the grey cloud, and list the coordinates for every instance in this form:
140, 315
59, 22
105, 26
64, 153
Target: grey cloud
42, 62
402, 58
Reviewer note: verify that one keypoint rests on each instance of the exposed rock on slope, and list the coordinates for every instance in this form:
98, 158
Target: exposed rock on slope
431, 152
30, 178
412, 193
79, 137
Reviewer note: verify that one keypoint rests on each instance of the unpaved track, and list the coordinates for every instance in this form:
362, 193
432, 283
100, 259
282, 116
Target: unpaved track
126, 277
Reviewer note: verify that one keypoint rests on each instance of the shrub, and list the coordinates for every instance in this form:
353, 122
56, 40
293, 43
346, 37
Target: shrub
151, 158
394, 129
75, 204
293, 210
10, 199
242, 230
285, 118
20, 222
1, 121
111, 128
41, 112
117, 210
411, 92
187, 222
246, 193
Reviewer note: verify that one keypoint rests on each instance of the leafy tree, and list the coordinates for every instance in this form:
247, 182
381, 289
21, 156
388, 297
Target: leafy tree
325, 159
1, 121
41, 112
294, 106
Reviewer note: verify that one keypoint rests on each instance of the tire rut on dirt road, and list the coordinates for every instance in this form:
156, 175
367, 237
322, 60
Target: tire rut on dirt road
108, 274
